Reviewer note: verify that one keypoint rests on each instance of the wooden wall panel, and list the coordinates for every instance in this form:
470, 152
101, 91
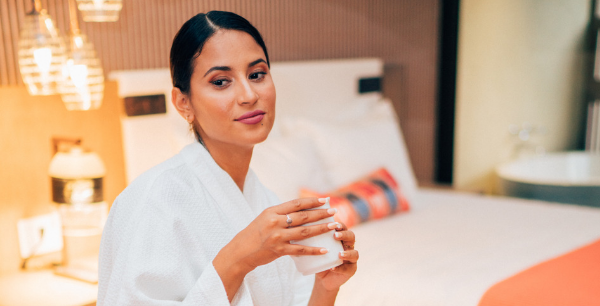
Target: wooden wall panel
402, 32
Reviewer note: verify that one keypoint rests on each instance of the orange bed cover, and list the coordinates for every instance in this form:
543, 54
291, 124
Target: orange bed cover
572, 279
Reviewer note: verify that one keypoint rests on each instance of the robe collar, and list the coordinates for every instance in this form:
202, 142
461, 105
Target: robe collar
222, 188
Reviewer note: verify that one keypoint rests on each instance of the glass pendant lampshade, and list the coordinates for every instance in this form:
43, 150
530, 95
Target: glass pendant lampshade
82, 83
41, 52
100, 10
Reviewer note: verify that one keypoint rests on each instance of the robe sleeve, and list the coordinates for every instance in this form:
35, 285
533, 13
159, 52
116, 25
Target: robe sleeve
303, 286
145, 259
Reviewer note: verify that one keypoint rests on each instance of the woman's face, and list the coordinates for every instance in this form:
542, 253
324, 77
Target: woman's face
231, 91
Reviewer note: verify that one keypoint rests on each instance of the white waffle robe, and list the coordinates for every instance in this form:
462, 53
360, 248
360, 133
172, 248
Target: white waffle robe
164, 230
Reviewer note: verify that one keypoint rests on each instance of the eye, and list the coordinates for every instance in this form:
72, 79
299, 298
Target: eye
220, 82
257, 75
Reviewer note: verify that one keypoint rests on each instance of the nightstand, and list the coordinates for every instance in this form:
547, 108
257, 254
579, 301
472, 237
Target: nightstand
45, 288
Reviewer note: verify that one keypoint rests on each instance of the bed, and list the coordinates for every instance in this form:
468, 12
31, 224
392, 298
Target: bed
333, 126
452, 247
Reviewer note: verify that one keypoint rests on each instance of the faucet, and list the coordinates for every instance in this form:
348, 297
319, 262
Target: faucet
525, 146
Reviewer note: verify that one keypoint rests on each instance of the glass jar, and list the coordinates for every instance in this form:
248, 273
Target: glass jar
77, 188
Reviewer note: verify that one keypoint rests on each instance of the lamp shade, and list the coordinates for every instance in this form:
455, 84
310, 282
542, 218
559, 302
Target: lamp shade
41, 53
100, 10
82, 83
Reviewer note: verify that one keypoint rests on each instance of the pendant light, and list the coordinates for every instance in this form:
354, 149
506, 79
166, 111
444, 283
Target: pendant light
82, 83
41, 52
100, 10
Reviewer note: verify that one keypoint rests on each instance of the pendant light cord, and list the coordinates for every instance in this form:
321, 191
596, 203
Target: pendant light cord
74, 22
36, 6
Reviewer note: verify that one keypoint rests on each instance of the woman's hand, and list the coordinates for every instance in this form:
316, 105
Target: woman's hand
268, 238
333, 278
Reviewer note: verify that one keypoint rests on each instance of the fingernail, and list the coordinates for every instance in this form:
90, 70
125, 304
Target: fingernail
343, 254
332, 211
323, 251
339, 226
338, 235
323, 200
332, 225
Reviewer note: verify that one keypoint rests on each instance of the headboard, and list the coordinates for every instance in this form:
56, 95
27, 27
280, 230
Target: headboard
149, 139
342, 94
322, 87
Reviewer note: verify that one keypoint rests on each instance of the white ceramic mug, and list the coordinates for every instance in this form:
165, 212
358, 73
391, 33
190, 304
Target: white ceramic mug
311, 264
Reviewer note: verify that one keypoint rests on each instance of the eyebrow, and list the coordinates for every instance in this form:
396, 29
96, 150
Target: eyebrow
226, 68
260, 60
222, 68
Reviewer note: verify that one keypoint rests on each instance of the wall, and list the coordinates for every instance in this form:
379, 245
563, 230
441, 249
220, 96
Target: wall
401, 32
27, 125
519, 61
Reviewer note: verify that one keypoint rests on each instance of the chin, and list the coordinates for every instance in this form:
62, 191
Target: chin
261, 139
258, 137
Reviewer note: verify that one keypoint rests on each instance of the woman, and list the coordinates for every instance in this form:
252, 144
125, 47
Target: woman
200, 229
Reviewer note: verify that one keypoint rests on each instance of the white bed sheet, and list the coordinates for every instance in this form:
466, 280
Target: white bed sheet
455, 246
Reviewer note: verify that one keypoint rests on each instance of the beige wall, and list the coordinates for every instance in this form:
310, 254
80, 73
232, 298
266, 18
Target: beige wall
519, 61
27, 125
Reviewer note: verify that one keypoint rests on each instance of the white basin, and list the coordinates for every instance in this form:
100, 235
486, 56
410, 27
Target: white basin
567, 177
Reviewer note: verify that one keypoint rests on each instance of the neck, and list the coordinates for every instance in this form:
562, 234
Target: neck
233, 159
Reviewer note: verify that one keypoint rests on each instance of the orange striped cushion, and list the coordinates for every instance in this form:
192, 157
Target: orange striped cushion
373, 197
572, 279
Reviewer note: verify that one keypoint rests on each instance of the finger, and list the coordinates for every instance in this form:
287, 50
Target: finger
346, 237
303, 232
345, 268
342, 228
297, 249
308, 216
298, 205
349, 256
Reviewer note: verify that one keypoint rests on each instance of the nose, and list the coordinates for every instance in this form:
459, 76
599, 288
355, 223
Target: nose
246, 93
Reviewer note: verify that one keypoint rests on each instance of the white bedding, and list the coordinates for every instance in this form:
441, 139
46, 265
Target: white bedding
453, 246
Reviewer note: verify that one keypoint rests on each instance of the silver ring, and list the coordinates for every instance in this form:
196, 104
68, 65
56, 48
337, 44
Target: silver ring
288, 221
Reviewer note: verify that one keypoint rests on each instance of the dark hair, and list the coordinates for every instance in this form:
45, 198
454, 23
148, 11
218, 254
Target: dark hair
190, 39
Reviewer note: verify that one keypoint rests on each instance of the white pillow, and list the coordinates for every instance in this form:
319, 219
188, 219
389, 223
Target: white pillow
354, 148
284, 164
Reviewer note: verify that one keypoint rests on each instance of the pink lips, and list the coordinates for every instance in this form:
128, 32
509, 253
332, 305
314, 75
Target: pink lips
252, 117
